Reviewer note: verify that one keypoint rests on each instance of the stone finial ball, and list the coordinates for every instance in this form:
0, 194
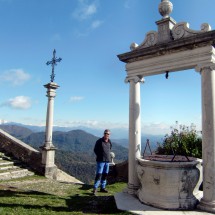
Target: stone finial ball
133, 46
165, 8
112, 155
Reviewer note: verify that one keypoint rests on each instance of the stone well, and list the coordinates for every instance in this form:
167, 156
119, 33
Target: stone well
170, 185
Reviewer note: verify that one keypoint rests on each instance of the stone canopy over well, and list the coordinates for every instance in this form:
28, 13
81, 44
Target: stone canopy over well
174, 47
172, 41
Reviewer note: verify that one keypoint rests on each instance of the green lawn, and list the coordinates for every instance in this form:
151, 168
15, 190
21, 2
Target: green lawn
37, 195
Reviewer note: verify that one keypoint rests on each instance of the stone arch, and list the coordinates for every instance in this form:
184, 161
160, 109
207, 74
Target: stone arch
174, 47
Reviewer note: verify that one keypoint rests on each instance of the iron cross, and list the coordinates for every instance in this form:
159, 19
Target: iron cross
53, 62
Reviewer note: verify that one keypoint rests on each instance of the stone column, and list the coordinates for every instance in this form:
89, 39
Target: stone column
48, 149
207, 203
134, 133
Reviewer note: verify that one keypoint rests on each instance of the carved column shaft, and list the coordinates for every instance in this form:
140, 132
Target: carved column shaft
208, 138
49, 117
48, 150
134, 133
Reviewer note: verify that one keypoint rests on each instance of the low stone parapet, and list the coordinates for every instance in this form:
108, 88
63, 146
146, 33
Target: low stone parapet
21, 151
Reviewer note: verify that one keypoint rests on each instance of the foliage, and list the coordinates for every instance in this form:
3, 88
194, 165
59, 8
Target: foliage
183, 140
80, 165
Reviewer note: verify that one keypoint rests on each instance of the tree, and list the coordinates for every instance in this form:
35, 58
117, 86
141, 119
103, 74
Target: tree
183, 140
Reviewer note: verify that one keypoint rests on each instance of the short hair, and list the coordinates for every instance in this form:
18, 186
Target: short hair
106, 130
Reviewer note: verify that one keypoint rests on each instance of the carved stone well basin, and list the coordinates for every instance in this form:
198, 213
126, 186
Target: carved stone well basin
169, 185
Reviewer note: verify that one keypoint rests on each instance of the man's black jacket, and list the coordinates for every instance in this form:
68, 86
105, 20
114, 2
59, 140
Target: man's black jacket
102, 154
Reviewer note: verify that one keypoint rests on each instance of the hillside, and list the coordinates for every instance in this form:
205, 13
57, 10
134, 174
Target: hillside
77, 141
74, 153
16, 131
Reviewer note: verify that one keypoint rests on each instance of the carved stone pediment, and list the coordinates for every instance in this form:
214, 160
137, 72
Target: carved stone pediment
151, 39
182, 30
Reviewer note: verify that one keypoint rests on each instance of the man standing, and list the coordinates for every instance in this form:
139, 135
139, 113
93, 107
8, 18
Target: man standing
102, 150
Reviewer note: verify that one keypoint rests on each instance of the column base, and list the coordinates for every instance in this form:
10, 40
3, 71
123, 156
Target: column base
50, 172
48, 156
206, 206
131, 189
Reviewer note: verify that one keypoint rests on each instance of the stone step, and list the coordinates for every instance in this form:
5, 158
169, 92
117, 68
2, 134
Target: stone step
6, 158
15, 174
6, 163
8, 167
11, 168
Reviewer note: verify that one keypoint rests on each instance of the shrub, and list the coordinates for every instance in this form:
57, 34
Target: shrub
183, 140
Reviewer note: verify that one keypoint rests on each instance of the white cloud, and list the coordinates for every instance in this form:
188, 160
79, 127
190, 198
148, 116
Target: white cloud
2, 121
153, 128
76, 98
87, 123
95, 24
19, 102
15, 76
90, 10
156, 128
85, 10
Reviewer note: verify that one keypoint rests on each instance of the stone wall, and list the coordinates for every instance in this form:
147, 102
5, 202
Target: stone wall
21, 151
118, 173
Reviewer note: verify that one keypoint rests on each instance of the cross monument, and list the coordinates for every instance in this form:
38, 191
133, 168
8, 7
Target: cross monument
48, 149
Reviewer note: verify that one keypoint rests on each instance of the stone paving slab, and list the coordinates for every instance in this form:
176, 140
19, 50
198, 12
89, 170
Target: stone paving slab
127, 202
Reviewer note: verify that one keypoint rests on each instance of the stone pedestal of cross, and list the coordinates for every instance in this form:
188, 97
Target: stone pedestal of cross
48, 149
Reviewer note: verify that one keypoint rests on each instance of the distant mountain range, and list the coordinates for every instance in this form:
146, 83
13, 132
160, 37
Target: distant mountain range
119, 135
116, 133
74, 152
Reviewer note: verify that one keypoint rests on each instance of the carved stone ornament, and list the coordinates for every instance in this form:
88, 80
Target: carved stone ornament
133, 46
165, 8
136, 79
181, 30
207, 67
151, 39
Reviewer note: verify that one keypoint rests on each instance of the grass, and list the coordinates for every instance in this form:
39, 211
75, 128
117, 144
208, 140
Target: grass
38, 195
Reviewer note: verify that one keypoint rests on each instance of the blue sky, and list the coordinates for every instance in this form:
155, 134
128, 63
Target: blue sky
88, 35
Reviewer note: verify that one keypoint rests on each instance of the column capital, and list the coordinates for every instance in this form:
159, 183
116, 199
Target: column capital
202, 67
135, 79
51, 85
51, 93
51, 89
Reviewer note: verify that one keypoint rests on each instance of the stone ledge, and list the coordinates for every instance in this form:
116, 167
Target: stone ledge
61, 176
130, 203
189, 43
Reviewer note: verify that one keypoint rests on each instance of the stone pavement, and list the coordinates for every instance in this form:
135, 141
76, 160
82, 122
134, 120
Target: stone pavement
127, 202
